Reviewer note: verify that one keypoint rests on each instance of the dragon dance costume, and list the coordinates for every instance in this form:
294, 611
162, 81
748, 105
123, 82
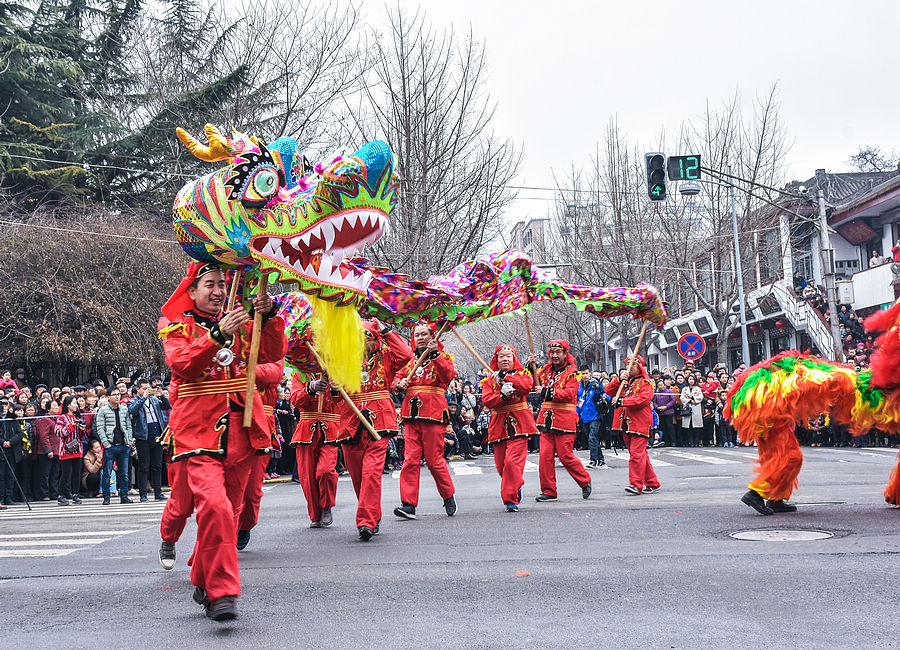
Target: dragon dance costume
363, 455
316, 440
206, 434
558, 421
633, 418
425, 419
510, 424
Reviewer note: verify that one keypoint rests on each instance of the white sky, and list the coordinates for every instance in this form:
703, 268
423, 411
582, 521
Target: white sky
559, 70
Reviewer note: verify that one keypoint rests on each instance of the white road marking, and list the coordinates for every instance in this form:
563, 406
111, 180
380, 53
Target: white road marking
52, 542
702, 459
35, 552
530, 467
93, 533
465, 469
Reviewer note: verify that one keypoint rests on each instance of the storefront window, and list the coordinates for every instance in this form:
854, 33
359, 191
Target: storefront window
780, 344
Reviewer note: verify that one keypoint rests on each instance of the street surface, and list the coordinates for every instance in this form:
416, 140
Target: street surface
617, 571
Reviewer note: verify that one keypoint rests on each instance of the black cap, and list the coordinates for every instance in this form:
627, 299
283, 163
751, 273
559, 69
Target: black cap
79, 387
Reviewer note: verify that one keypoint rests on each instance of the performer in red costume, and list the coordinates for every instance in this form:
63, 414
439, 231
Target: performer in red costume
316, 440
505, 393
425, 418
207, 351
386, 353
633, 418
268, 377
557, 420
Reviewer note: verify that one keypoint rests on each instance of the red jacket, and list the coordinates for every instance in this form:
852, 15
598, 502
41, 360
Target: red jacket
202, 388
511, 417
560, 393
268, 377
374, 397
318, 415
635, 415
426, 397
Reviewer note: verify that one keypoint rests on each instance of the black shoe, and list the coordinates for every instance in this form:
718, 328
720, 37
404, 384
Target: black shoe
125, 500
144, 498
404, 511
315, 524
243, 539
545, 497
200, 597
632, 490
649, 490
365, 533
167, 555
105, 501
222, 609
756, 502
781, 506
450, 505
327, 518
63, 501
76, 500
377, 528
159, 497
586, 491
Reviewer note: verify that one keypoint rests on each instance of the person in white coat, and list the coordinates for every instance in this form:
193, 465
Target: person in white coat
692, 412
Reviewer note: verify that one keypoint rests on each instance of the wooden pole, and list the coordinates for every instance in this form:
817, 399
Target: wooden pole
254, 356
353, 407
531, 366
421, 358
472, 350
235, 283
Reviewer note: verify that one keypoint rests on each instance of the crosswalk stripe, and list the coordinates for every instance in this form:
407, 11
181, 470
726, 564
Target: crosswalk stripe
713, 460
530, 467
93, 533
60, 515
465, 469
52, 542
35, 552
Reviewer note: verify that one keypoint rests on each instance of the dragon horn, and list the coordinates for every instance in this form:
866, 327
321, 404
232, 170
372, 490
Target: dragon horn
219, 147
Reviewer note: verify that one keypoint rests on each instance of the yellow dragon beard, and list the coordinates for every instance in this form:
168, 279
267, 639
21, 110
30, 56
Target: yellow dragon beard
338, 335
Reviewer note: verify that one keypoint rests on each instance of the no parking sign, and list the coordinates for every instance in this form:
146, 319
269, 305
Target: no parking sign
691, 346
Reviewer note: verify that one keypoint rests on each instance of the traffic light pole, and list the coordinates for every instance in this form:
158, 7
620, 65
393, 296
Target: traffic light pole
745, 344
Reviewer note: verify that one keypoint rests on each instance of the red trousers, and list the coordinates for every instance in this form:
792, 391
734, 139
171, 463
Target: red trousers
640, 471
419, 436
562, 445
509, 459
253, 492
316, 467
365, 462
217, 486
180, 505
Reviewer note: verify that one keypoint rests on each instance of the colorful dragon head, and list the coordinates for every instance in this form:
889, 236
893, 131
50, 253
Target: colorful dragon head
272, 210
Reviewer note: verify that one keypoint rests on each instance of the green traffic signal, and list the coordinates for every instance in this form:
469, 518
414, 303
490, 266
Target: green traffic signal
656, 175
683, 168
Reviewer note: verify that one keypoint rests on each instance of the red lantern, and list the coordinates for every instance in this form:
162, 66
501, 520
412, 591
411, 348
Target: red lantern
780, 323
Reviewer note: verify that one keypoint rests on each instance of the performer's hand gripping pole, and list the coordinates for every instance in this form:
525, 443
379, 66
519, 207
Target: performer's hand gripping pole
353, 407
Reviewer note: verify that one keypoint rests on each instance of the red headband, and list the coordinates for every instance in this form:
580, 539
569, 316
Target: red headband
517, 365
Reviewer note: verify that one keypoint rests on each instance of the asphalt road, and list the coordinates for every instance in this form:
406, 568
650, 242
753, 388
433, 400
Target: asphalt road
650, 571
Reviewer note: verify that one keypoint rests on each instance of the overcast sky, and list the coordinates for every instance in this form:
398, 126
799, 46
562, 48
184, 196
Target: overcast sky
560, 69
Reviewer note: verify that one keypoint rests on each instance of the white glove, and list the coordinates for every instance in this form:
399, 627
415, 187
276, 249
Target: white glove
507, 389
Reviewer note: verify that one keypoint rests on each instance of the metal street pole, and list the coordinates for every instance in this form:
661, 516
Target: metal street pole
745, 344
828, 265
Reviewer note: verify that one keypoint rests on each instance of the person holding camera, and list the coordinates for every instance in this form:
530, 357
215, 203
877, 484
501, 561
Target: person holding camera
591, 401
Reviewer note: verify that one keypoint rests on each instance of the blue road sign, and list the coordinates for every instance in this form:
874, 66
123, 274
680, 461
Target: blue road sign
691, 346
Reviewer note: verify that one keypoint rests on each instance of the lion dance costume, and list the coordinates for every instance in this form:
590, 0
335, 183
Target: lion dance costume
769, 399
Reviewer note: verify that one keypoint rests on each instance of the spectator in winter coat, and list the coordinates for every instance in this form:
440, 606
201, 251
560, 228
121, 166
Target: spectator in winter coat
691, 402
664, 401
589, 392
113, 429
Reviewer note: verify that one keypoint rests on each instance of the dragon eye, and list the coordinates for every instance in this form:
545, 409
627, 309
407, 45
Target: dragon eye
265, 183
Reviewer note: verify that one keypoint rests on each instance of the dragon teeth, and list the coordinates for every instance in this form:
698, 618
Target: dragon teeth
328, 234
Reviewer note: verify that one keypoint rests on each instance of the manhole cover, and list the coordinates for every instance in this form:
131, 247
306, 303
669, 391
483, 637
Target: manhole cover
781, 535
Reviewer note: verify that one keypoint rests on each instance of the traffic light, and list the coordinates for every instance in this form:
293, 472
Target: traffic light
656, 176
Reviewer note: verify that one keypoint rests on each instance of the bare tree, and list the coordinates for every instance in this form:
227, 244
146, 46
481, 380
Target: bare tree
873, 159
426, 97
